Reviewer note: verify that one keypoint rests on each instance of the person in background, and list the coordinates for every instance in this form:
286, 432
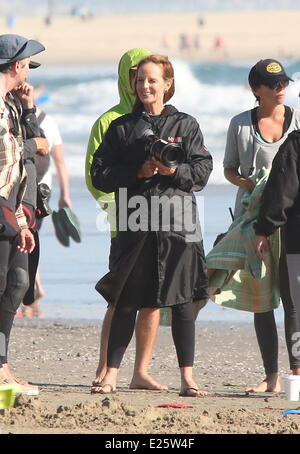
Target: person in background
35, 144
16, 238
154, 265
147, 320
44, 172
44, 175
253, 140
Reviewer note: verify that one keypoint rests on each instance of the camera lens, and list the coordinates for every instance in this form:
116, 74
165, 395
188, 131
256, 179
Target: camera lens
170, 154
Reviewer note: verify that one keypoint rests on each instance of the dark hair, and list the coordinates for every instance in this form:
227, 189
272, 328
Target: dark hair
5, 68
167, 73
269, 72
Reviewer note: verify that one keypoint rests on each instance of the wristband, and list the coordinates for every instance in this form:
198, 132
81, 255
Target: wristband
29, 111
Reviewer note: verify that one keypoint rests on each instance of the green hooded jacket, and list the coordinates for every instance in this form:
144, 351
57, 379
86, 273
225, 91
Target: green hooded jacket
127, 99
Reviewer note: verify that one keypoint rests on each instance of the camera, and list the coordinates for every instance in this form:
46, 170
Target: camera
42, 206
168, 153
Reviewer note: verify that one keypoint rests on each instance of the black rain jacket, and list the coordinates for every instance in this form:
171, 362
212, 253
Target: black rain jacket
181, 262
280, 202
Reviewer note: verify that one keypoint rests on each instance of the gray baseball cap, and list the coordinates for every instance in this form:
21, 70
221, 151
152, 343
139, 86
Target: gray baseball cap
16, 47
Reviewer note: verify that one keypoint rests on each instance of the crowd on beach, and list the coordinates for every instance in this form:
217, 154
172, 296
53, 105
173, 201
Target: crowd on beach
145, 160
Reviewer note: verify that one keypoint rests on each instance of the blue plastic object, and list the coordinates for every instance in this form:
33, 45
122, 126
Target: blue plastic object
291, 412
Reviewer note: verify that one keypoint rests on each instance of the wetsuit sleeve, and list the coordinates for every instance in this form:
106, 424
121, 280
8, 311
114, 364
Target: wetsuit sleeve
96, 137
280, 192
193, 174
108, 171
31, 125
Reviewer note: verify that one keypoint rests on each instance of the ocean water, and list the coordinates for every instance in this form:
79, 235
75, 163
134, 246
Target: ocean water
76, 96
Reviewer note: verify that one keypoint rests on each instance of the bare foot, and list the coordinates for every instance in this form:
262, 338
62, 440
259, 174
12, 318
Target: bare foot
146, 382
26, 388
270, 384
100, 374
3, 377
102, 388
36, 309
39, 290
27, 311
108, 384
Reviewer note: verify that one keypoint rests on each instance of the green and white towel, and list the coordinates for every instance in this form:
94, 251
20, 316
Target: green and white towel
237, 277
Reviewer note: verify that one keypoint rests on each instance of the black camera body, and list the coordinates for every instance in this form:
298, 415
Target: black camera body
168, 153
42, 203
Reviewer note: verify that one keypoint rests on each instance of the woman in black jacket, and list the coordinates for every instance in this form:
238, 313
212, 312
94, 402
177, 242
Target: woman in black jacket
157, 257
280, 207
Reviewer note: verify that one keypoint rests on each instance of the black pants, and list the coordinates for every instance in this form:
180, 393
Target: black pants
265, 325
13, 286
183, 332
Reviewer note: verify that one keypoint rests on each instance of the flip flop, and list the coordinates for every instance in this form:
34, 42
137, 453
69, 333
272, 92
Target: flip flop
190, 392
59, 229
96, 384
71, 223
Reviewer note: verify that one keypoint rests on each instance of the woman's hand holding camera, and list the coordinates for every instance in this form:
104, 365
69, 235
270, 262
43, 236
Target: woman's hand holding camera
163, 170
148, 170
152, 167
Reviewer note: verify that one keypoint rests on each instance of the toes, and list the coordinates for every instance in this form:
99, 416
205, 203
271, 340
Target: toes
102, 388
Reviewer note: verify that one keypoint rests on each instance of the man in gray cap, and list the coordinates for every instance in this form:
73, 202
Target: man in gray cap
16, 240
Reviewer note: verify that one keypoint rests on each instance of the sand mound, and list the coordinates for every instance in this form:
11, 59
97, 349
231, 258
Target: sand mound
112, 416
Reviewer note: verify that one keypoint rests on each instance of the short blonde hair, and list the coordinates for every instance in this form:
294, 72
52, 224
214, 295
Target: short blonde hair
167, 73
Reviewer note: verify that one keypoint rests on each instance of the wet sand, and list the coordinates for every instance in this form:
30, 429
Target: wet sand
62, 356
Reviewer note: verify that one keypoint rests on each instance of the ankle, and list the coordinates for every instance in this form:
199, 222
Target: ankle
186, 374
138, 373
111, 374
101, 371
272, 376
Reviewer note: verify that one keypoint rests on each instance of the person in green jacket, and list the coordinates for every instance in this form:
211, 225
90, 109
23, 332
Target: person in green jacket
148, 318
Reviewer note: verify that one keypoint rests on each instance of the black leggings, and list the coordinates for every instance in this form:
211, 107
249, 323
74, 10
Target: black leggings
266, 330
13, 286
183, 332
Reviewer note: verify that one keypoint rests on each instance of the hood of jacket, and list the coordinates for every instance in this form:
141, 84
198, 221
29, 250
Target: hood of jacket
127, 98
128, 60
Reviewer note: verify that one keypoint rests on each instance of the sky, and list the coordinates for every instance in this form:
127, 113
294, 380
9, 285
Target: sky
40, 7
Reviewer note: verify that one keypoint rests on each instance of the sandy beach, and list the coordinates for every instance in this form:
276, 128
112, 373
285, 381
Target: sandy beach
61, 357
244, 36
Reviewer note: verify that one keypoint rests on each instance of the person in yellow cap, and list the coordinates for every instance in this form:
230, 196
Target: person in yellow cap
253, 139
148, 318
